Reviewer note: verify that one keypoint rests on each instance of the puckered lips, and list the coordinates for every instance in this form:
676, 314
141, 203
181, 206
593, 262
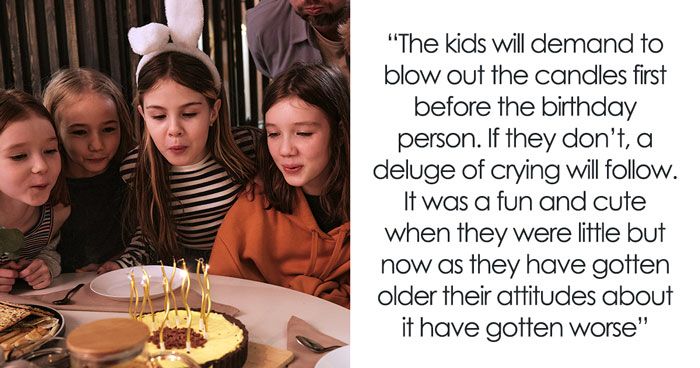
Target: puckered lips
40, 185
292, 168
177, 149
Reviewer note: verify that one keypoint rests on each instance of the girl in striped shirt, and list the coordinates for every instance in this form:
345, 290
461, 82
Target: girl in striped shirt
187, 171
33, 195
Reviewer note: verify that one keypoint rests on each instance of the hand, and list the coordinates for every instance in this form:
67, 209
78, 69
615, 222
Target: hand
108, 266
36, 274
7, 277
254, 187
17, 266
92, 267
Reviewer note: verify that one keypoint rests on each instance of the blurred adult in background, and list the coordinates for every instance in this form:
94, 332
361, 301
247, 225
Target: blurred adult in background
282, 32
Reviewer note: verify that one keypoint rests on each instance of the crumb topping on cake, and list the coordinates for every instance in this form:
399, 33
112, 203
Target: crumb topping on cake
176, 338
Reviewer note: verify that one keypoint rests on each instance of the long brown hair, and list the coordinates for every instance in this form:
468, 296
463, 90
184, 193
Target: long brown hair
66, 84
151, 192
17, 105
325, 88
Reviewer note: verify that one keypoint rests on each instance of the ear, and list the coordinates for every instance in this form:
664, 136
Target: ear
140, 108
214, 112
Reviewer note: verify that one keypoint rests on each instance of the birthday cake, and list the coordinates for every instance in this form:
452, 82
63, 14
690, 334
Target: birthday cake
225, 343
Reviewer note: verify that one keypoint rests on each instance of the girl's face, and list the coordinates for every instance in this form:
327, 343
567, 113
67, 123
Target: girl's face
178, 120
89, 130
298, 136
29, 160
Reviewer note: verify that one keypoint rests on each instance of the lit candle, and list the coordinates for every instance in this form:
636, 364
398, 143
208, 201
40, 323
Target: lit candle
185, 290
166, 293
133, 295
202, 289
146, 281
172, 293
208, 293
143, 302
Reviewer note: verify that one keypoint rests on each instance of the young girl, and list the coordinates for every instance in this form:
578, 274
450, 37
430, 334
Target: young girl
33, 196
187, 171
95, 129
297, 236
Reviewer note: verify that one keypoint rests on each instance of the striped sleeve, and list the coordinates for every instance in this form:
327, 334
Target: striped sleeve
247, 138
137, 253
128, 166
50, 256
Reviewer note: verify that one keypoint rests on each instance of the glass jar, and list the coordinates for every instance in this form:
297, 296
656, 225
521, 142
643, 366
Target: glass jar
118, 343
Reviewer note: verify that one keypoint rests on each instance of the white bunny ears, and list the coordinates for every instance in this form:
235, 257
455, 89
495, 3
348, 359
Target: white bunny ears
185, 21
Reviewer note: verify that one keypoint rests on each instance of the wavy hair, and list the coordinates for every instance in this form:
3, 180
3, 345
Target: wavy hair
16, 105
151, 194
323, 87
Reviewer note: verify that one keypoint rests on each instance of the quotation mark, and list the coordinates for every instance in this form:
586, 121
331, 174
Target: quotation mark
644, 319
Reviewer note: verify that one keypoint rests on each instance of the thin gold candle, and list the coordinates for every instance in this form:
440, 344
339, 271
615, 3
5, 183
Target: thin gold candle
133, 294
166, 293
185, 290
172, 294
143, 302
147, 294
207, 291
203, 307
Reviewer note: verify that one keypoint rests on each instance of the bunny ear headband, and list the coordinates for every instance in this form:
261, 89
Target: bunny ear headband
185, 22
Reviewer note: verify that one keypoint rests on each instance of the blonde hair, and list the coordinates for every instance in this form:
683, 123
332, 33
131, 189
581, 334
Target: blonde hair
66, 84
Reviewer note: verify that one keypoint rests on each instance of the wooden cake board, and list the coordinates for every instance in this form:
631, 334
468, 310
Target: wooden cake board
265, 356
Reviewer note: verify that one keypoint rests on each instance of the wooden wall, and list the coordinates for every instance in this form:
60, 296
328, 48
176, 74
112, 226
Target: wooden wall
39, 37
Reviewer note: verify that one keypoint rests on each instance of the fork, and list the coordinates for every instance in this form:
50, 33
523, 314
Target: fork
66, 299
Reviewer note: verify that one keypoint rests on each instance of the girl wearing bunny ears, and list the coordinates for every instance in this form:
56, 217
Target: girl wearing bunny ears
187, 171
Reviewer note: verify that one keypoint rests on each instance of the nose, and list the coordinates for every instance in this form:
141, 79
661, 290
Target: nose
95, 143
287, 147
174, 128
39, 165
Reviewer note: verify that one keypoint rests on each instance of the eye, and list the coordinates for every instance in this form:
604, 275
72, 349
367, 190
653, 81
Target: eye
109, 130
272, 134
158, 117
18, 157
51, 151
189, 115
305, 134
78, 133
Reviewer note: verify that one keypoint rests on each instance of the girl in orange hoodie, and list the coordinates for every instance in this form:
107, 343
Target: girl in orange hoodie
298, 234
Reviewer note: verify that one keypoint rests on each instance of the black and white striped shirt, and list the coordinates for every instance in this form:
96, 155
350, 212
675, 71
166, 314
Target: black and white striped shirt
38, 236
39, 243
202, 195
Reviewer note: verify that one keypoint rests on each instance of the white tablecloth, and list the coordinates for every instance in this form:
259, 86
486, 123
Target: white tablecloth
265, 309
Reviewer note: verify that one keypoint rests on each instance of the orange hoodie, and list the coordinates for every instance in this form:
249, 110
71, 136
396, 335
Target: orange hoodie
284, 249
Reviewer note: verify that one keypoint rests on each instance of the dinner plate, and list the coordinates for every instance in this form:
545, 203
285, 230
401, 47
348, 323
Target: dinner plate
54, 313
117, 284
338, 358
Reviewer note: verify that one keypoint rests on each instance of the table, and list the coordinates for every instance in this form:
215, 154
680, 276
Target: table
265, 309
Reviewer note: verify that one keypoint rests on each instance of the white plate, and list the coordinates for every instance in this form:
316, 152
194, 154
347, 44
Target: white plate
338, 358
117, 284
